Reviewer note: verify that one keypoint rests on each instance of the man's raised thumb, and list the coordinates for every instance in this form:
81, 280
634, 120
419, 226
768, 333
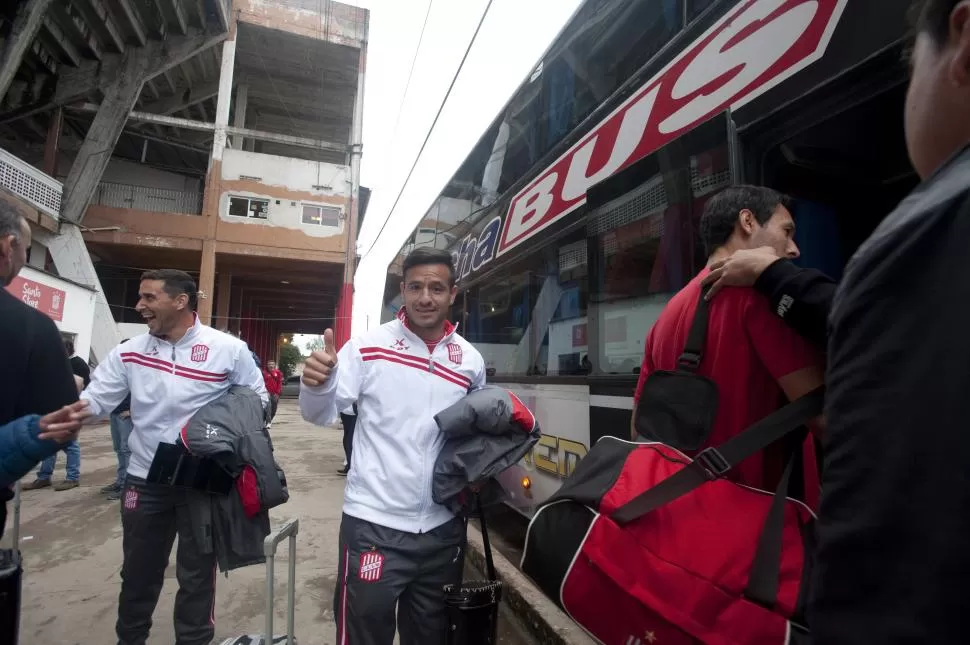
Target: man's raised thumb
328, 345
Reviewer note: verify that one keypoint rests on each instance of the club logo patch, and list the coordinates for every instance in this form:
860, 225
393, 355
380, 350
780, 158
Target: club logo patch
454, 353
371, 566
199, 353
400, 345
131, 499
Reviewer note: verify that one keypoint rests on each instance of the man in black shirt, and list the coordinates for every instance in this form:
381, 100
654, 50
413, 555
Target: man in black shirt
35, 377
78, 364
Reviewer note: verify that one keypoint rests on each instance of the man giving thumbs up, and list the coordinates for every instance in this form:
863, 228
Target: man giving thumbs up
397, 547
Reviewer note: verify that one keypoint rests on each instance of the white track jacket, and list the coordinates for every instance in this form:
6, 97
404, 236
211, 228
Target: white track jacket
169, 383
399, 386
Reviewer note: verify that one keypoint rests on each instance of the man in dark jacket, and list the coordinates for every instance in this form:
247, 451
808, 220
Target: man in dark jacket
36, 377
893, 562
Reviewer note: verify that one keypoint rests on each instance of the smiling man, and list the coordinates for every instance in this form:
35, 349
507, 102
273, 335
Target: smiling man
397, 547
171, 372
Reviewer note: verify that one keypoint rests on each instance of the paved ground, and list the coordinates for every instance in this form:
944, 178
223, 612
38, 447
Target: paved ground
72, 547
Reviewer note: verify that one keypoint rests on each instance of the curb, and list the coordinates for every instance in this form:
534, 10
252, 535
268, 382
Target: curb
540, 616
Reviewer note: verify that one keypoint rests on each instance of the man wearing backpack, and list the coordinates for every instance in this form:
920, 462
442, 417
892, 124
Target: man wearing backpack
753, 357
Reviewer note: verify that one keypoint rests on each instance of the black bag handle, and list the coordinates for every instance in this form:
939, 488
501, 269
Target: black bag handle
693, 352
712, 463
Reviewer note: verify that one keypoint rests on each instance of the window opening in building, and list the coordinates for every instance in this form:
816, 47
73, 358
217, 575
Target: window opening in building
249, 207
321, 215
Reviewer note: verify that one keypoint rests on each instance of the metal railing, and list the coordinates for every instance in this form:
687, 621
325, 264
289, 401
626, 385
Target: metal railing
146, 198
23, 180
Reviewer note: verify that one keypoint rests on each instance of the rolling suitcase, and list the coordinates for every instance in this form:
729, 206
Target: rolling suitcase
288, 530
11, 579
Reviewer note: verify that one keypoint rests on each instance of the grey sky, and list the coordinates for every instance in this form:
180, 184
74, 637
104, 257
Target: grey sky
513, 37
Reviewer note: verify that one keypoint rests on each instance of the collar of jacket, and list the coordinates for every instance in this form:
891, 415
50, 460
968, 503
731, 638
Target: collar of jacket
402, 318
190, 334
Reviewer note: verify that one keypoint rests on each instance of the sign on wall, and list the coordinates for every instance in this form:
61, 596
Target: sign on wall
47, 300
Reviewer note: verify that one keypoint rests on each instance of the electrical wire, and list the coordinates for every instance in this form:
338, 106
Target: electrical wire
441, 108
407, 85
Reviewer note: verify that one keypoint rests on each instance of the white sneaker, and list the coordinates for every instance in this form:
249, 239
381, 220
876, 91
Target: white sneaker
269, 425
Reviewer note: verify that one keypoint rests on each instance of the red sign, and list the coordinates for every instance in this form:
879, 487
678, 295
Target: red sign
579, 335
754, 47
45, 299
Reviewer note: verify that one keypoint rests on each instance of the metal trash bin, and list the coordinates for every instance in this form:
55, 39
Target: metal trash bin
473, 605
473, 612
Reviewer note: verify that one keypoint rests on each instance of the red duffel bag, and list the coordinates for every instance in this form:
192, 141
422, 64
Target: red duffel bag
645, 545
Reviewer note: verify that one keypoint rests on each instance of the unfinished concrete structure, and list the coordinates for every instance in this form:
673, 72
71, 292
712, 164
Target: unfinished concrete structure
221, 137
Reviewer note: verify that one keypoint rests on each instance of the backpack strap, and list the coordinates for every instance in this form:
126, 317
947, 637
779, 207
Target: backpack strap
693, 352
711, 463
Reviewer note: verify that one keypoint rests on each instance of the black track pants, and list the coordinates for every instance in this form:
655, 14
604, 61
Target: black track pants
384, 572
151, 515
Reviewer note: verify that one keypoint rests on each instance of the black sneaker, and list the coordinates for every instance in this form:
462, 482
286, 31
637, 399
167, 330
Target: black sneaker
343, 471
111, 488
115, 496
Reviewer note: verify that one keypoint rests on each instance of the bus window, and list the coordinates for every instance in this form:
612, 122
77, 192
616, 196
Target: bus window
645, 240
531, 319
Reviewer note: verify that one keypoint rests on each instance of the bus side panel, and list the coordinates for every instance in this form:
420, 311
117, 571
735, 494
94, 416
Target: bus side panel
563, 415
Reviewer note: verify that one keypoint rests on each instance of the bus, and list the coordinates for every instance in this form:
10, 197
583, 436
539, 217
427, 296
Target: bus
575, 217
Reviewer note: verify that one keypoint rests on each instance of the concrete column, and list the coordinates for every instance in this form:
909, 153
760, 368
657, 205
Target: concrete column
53, 139
236, 309
345, 304
225, 296
38, 254
239, 116
92, 159
29, 18
207, 280
210, 207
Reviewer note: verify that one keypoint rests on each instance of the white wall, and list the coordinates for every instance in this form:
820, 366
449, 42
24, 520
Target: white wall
290, 174
78, 317
130, 330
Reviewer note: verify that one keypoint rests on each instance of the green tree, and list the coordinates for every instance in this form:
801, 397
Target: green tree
289, 357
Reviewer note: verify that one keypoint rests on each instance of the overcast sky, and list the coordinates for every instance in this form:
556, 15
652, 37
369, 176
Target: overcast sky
509, 45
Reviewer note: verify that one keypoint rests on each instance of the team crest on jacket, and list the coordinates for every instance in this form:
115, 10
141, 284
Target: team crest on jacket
199, 353
454, 353
400, 345
371, 566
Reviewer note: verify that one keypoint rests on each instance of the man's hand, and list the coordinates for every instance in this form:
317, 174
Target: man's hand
64, 425
317, 368
742, 269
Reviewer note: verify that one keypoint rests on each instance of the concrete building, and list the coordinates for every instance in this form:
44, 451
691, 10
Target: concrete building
221, 137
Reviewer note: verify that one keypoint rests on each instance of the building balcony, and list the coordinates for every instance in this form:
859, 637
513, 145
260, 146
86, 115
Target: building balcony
38, 189
148, 198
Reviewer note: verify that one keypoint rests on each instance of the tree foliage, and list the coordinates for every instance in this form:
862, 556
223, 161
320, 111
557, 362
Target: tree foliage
289, 358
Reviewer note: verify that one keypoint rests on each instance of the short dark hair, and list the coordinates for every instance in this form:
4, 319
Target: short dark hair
69, 346
175, 284
721, 211
933, 18
426, 255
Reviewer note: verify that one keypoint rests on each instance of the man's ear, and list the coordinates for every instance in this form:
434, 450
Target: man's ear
746, 221
959, 35
454, 295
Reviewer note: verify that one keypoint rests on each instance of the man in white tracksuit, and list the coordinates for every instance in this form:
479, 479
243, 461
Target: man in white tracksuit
171, 372
397, 547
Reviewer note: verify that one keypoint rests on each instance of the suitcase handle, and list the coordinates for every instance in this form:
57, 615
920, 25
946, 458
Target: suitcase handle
288, 530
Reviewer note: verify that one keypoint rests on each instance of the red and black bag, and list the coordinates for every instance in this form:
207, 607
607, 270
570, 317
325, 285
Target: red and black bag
644, 544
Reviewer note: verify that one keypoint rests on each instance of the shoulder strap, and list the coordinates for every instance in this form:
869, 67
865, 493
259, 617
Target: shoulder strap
690, 359
712, 463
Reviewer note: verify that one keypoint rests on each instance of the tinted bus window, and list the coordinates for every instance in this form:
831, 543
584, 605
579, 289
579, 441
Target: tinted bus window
644, 242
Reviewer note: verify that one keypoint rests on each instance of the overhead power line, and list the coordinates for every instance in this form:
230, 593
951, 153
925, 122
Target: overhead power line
441, 107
